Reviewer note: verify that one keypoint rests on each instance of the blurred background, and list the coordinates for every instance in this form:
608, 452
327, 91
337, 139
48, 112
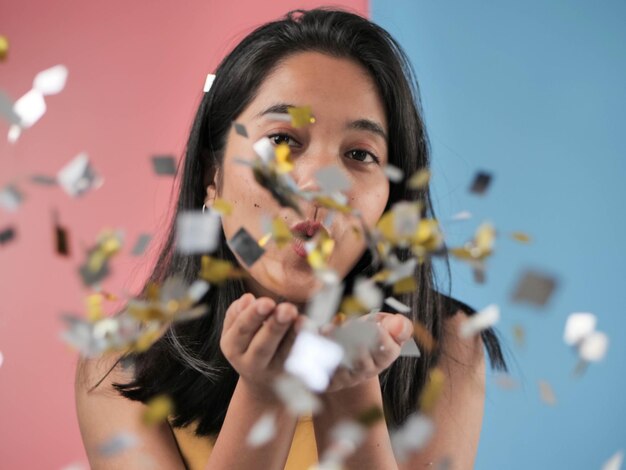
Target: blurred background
530, 92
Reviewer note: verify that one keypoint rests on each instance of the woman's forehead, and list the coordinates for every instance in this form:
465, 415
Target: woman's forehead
335, 88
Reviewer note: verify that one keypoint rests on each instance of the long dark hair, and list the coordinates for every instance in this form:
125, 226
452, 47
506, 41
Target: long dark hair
187, 363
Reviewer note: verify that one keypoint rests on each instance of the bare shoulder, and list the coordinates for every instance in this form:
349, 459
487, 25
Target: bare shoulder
458, 414
103, 414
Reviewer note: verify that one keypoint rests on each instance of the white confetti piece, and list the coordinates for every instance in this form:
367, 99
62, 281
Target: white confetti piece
263, 431
578, 326
593, 348
615, 462
480, 321
51, 81
78, 177
210, 78
313, 359
397, 305
30, 107
197, 232
118, 443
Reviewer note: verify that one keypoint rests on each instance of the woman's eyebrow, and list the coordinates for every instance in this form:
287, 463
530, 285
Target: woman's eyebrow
360, 124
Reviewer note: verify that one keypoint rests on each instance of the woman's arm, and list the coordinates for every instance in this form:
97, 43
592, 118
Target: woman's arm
257, 335
458, 414
103, 414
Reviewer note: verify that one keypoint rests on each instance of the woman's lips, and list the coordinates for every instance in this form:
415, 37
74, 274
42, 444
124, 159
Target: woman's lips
298, 246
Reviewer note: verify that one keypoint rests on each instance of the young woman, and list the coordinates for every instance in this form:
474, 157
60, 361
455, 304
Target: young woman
219, 368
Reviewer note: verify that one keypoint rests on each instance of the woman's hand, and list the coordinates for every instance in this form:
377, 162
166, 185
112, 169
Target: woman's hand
393, 331
256, 339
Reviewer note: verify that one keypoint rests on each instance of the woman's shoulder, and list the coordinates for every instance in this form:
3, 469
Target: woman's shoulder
468, 350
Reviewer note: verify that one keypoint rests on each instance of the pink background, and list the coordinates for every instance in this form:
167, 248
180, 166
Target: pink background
136, 72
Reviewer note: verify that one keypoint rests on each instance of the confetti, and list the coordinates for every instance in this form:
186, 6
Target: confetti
164, 165
263, 431
51, 81
6, 109
246, 247
30, 107
463, 215
6, 235
534, 287
298, 399
423, 337
432, 390
78, 177
615, 462
323, 305
520, 237
410, 349
61, 240
118, 444
95, 268
519, 334
419, 179
159, 407
313, 359
331, 179
300, 116
412, 436
44, 180
197, 232
480, 321
240, 129
353, 336
594, 347
578, 326
393, 173
397, 305
141, 244
481, 183
208, 83
217, 271
11, 198
547, 393
4, 47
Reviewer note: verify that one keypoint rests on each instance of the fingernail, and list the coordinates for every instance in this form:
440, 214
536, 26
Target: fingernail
406, 332
282, 316
264, 308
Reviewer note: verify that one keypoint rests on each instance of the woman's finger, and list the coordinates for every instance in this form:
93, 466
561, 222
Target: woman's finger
247, 323
235, 309
399, 327
265, 342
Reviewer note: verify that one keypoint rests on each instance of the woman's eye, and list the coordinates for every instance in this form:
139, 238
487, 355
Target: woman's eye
281, 139
363, 156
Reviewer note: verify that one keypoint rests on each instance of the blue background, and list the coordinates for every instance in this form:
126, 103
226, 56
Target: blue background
534, 92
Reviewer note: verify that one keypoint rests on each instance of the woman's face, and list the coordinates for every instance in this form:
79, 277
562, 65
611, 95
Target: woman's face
349, 133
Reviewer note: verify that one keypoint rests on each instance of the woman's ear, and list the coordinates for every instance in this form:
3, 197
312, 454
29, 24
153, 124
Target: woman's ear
211, 194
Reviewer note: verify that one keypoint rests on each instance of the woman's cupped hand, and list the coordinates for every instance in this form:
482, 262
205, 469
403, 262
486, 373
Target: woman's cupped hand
258, 334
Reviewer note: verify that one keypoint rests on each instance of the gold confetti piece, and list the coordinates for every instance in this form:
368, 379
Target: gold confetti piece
4, 47
280, 232
370, 416
158, 410
94, 307
423, 337
506, 382
283, 159
265, 239
222, 206
419, 179
351, 306
547, 393
404, 286
520, 237
300, 116
432, 390
520, 335
216, 271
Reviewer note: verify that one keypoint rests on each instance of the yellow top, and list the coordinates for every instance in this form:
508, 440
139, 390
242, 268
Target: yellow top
196, 450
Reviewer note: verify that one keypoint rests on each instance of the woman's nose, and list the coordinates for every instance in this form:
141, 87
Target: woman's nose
319, 173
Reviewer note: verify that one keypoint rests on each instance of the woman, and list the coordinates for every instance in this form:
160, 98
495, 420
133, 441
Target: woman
219, 368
